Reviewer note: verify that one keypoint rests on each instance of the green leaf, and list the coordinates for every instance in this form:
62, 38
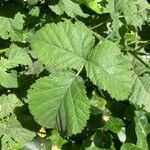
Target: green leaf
68, 45
141, 125
7, 104
114, 34
14, 133
7, 143
35, 11
103, 139
114, 124
142, 130
141, 91
32, 2
56, 139
12, 28
60, 101
63, 45
16, 56
70, 8
97, 104
94, 5
130, 9
141, 88
38, 144
109, 70
130, 146
8, 80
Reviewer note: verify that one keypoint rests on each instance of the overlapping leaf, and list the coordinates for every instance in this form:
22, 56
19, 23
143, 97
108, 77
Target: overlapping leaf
11, 131
60, 101
94, 5
131, 12
70, 8
14, 134
114, 124
12, 28
130, 9
7, 104
68, 45
16, 56
142, 130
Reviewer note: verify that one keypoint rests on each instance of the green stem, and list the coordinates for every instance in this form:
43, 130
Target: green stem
97, 35
138, 49
100, 24
137, 57
139, 42
79, 70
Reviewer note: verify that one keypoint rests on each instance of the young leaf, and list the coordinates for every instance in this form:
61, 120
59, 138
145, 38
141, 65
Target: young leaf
94, 5
60, 101
114, 124
56, 139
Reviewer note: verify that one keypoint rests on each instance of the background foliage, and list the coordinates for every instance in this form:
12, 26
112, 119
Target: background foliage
74, 74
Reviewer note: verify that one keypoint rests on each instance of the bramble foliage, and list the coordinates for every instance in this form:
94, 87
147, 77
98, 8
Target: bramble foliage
74, 74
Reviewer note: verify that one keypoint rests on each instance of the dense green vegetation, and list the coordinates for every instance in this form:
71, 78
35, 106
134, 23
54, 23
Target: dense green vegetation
74, 74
